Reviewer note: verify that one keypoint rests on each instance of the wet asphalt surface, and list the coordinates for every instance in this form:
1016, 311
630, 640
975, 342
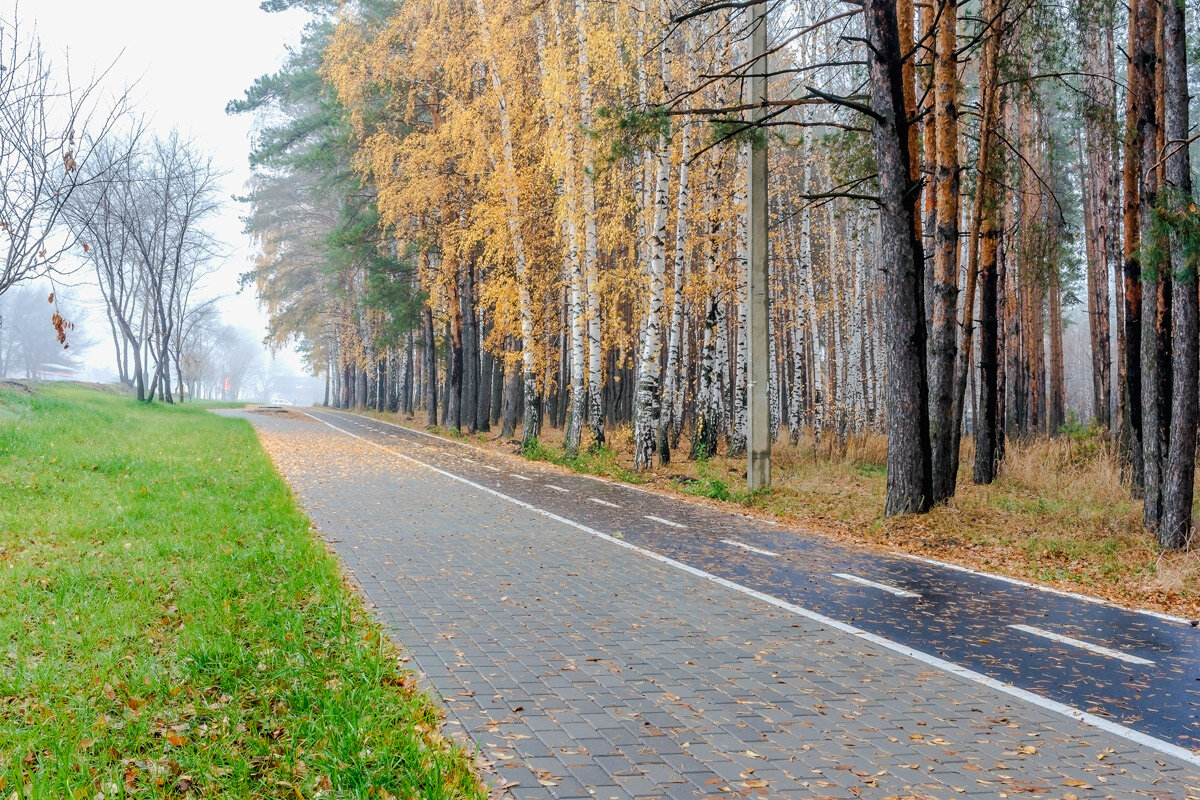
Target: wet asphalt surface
961, 617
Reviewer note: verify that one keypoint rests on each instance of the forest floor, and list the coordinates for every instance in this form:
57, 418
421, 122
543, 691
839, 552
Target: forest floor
173, 626
1058, 514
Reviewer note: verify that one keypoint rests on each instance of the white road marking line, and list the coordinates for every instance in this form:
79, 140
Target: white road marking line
489, 466
464, 458
1048, 589
896, 590
752, 549
603, 502
555, 488
522, 477
1095, 648
1108, 726
653, 518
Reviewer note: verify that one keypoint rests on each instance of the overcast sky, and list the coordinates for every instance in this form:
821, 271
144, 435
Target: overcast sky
186, 60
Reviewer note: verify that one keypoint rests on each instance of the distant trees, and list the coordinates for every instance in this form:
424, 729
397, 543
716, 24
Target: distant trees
27, 343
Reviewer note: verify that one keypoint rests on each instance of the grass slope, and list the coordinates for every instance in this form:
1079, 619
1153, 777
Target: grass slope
169, 625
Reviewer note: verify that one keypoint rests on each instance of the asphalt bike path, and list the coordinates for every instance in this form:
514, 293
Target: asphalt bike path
1139, 670
908, 654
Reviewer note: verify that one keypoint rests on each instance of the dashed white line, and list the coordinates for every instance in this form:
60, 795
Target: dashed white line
522, 477
751, 548
1094, 720
555, 488
883, 587
489, 466
598, 501
464, 458
1095, 648
653, 518
1042, 588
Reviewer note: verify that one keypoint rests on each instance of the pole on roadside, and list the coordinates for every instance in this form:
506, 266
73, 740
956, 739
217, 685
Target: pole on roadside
758, 467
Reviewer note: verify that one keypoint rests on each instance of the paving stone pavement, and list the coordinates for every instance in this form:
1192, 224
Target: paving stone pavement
584, 670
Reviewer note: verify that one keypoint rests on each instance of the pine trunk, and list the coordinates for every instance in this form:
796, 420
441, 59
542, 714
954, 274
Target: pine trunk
901, 260
943, 342
1179, 479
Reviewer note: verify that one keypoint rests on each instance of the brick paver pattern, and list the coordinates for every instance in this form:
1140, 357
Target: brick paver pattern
583, 670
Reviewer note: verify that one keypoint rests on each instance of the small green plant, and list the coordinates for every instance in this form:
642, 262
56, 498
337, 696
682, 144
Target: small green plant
707, 484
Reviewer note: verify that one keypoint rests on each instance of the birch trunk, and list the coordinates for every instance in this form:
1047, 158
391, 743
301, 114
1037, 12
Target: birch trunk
672, 394
710, 396
529, 431
737, 431
648, 401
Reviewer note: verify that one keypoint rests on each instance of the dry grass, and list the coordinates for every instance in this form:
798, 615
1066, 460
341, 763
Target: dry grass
1058, 514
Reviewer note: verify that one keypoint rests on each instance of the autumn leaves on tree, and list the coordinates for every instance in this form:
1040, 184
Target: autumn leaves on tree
522, 216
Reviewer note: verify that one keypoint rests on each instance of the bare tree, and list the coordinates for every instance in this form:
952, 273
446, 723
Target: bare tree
143, 230
48, 132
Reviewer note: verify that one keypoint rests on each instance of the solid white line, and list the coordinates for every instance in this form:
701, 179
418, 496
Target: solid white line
603, 502
745, 546
1048, 589
1095, 648
876, 585
1116, 729
653, 518
522, 477
555, 488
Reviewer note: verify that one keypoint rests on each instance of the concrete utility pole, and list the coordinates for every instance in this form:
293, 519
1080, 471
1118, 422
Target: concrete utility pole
758, 468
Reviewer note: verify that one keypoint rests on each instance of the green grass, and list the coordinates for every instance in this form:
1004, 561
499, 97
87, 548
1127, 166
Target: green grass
169, 626
602, 461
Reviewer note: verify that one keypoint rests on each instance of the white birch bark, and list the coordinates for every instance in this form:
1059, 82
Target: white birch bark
737, 431
595, 396
795, 330
710, 393
573, 269
854, 367
576, 283
672, 395
512, 201
807, 277
647, 402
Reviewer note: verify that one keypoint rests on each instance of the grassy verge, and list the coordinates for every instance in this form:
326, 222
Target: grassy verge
1058, 513
170, 627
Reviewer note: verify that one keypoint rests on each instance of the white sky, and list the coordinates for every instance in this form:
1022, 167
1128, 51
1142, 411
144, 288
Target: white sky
187, 59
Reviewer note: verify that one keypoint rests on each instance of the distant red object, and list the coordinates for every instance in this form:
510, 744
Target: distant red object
55, 372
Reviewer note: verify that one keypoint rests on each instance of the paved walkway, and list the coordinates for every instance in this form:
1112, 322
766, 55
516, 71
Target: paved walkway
584, 669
